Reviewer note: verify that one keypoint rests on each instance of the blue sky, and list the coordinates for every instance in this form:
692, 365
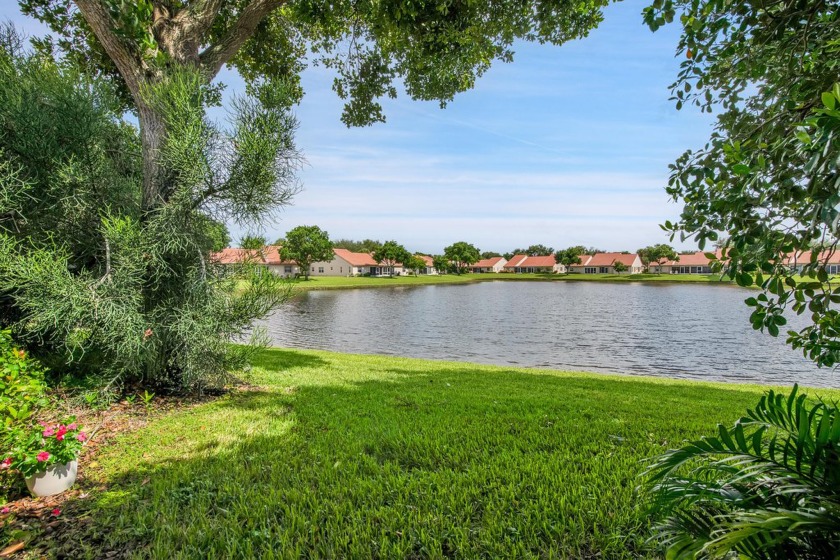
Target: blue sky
565, 146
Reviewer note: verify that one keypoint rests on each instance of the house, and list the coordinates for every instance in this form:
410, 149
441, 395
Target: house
830, 259
691, 263
268, 256
348, 263
430, 265
494, 264
604, 263
513, 263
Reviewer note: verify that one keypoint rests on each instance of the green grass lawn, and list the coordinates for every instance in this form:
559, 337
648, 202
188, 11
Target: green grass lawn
345, 456
336, 282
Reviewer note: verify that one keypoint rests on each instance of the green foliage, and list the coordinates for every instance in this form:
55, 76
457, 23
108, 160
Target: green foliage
461, 255
569, 256
93, 284
534, 251
364, 246
253, 242
306, 245
441, 264
619, 267
390, 254
22, 386
490, 254
42, 446
414, 263
768, 487
657, 254
767, 179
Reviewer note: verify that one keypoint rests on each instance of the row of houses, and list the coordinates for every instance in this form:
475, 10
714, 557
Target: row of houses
349, 263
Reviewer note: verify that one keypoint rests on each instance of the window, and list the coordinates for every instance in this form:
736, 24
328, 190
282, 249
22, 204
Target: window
288, 270
605, 270
320, 269
590, 270
313, 269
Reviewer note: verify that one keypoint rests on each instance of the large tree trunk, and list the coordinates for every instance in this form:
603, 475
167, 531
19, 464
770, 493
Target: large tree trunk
152, 136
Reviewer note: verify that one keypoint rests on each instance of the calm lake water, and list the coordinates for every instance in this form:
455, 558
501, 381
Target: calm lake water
672, 330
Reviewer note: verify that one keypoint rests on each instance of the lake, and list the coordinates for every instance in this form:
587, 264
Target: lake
688, 331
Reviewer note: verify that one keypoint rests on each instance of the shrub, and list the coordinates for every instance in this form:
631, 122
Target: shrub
768, 487
22, 386
44, 445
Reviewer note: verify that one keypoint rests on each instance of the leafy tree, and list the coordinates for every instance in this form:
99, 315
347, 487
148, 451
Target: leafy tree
767, 179
414, 263
593, 250
436, 50
619, 267
253, 242
279, 242
533, 251
461, 255
507, 256
441, 264
364, 246
90, 282
218, 234
391, 254
490, 254
569, 256
306, 245
657, 254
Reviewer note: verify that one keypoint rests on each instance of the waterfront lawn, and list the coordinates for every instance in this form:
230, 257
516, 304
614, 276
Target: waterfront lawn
336, 282
345, 456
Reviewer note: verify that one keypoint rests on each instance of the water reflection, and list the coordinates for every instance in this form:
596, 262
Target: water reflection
674, 330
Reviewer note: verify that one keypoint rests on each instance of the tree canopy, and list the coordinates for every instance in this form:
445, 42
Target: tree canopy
306, 245
569, 256
538, 250
461, 254
390, 254
768, 178
363, 246
657, 254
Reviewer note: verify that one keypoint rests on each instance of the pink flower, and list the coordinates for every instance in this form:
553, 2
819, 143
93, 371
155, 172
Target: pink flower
5, 510
6, 463
56, 512
82, 436
72, 426
43, 456
48, 432
61, 431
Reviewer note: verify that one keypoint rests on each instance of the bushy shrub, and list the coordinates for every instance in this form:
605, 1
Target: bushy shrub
22, 386
92, 282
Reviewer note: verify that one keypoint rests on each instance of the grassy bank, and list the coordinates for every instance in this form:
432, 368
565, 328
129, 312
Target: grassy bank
344, 456
339, 282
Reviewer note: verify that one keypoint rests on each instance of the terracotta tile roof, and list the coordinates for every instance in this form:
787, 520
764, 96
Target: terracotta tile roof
233, 255
545, 261
698, 258
825, 257
607, 259
355, 259
488, 263
515, 261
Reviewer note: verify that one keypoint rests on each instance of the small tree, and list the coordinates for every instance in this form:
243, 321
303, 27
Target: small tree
461, 255
390, 254
657, 255
414, 263
306, 245
619, 267
253, 242
569, 256
441, 264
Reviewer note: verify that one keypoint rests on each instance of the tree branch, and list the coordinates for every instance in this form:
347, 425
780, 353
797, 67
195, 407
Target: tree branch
103, 25
215, 56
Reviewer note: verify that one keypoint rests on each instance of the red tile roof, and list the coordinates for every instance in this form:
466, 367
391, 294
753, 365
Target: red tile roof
355, 259
427, 259
515, 261
545, 261
233, 255
607, 259
488, 263
825, 257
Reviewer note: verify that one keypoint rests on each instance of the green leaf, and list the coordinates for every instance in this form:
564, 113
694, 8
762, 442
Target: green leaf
828, 99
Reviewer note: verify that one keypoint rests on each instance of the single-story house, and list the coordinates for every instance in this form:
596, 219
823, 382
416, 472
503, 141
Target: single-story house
830, 259
513, 263
539, 264
692, 263
494, 264
267, 256
604, 263
348, 263
430, 265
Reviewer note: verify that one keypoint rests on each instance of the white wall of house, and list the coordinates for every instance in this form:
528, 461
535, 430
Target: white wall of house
284, 270
336, 267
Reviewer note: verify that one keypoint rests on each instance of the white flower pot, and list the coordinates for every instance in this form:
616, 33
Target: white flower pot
54, 480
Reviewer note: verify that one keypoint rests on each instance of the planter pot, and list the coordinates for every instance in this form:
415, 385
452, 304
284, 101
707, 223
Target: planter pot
54, 480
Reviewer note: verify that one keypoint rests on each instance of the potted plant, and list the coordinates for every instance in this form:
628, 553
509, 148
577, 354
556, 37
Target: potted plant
47, 455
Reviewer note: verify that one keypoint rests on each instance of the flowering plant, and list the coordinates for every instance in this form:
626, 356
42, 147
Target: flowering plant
43, 446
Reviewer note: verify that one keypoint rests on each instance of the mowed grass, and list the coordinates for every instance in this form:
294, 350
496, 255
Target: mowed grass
346, 456
338, 282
